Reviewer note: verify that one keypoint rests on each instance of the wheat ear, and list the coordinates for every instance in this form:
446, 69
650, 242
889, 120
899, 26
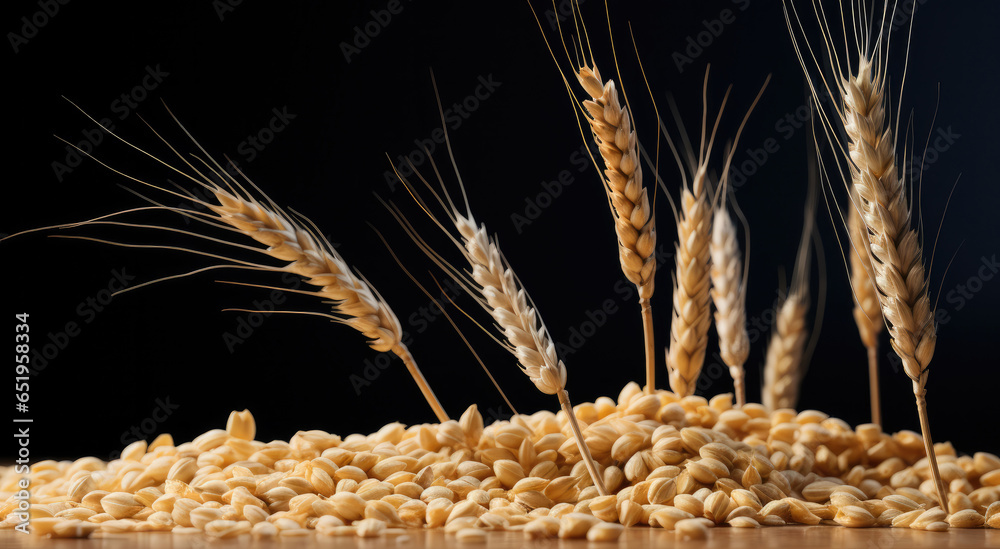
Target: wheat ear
782, 366
729, 296
309, 254
690, 318
635, 226
497, 289
895, 250
867, 312
897, 260
313, 258
500, 293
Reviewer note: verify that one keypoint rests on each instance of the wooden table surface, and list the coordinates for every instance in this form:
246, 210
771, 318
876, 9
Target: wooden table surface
635, 538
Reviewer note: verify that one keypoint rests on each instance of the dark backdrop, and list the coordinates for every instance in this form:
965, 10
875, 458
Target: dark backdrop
230, 72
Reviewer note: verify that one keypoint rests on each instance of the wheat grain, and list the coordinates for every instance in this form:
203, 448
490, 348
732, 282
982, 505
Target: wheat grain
729, 295
867, 312
635, 225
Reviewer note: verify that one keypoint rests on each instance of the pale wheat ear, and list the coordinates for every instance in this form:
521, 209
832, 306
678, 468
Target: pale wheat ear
443, 310
493, 284
784, 365
620, 167
870, 153
308, 254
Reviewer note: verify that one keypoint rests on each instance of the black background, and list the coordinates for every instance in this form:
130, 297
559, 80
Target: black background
227, 73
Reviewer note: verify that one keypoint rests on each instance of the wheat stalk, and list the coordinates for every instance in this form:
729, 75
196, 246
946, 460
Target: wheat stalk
501, 294
497, 289
312, 257
895, 249
635, 226
729, 295
307, 253
867, 312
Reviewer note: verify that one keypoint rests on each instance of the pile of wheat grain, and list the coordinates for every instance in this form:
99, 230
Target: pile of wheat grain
683, 464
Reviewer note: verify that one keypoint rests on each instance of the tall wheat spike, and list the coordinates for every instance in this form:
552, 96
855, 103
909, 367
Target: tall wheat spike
610, 121
729, 295
308, 254
630, 206
867, 311
493, 284
895, 248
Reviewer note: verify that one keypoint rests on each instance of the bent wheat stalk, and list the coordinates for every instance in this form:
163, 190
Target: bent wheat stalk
306, 252
895, 248
493, 284
867, 312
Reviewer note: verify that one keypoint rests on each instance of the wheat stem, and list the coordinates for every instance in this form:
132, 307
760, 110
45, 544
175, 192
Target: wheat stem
635, 225
867, 312
873, 385
647, 336
411, 366
925, 429
588, 460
